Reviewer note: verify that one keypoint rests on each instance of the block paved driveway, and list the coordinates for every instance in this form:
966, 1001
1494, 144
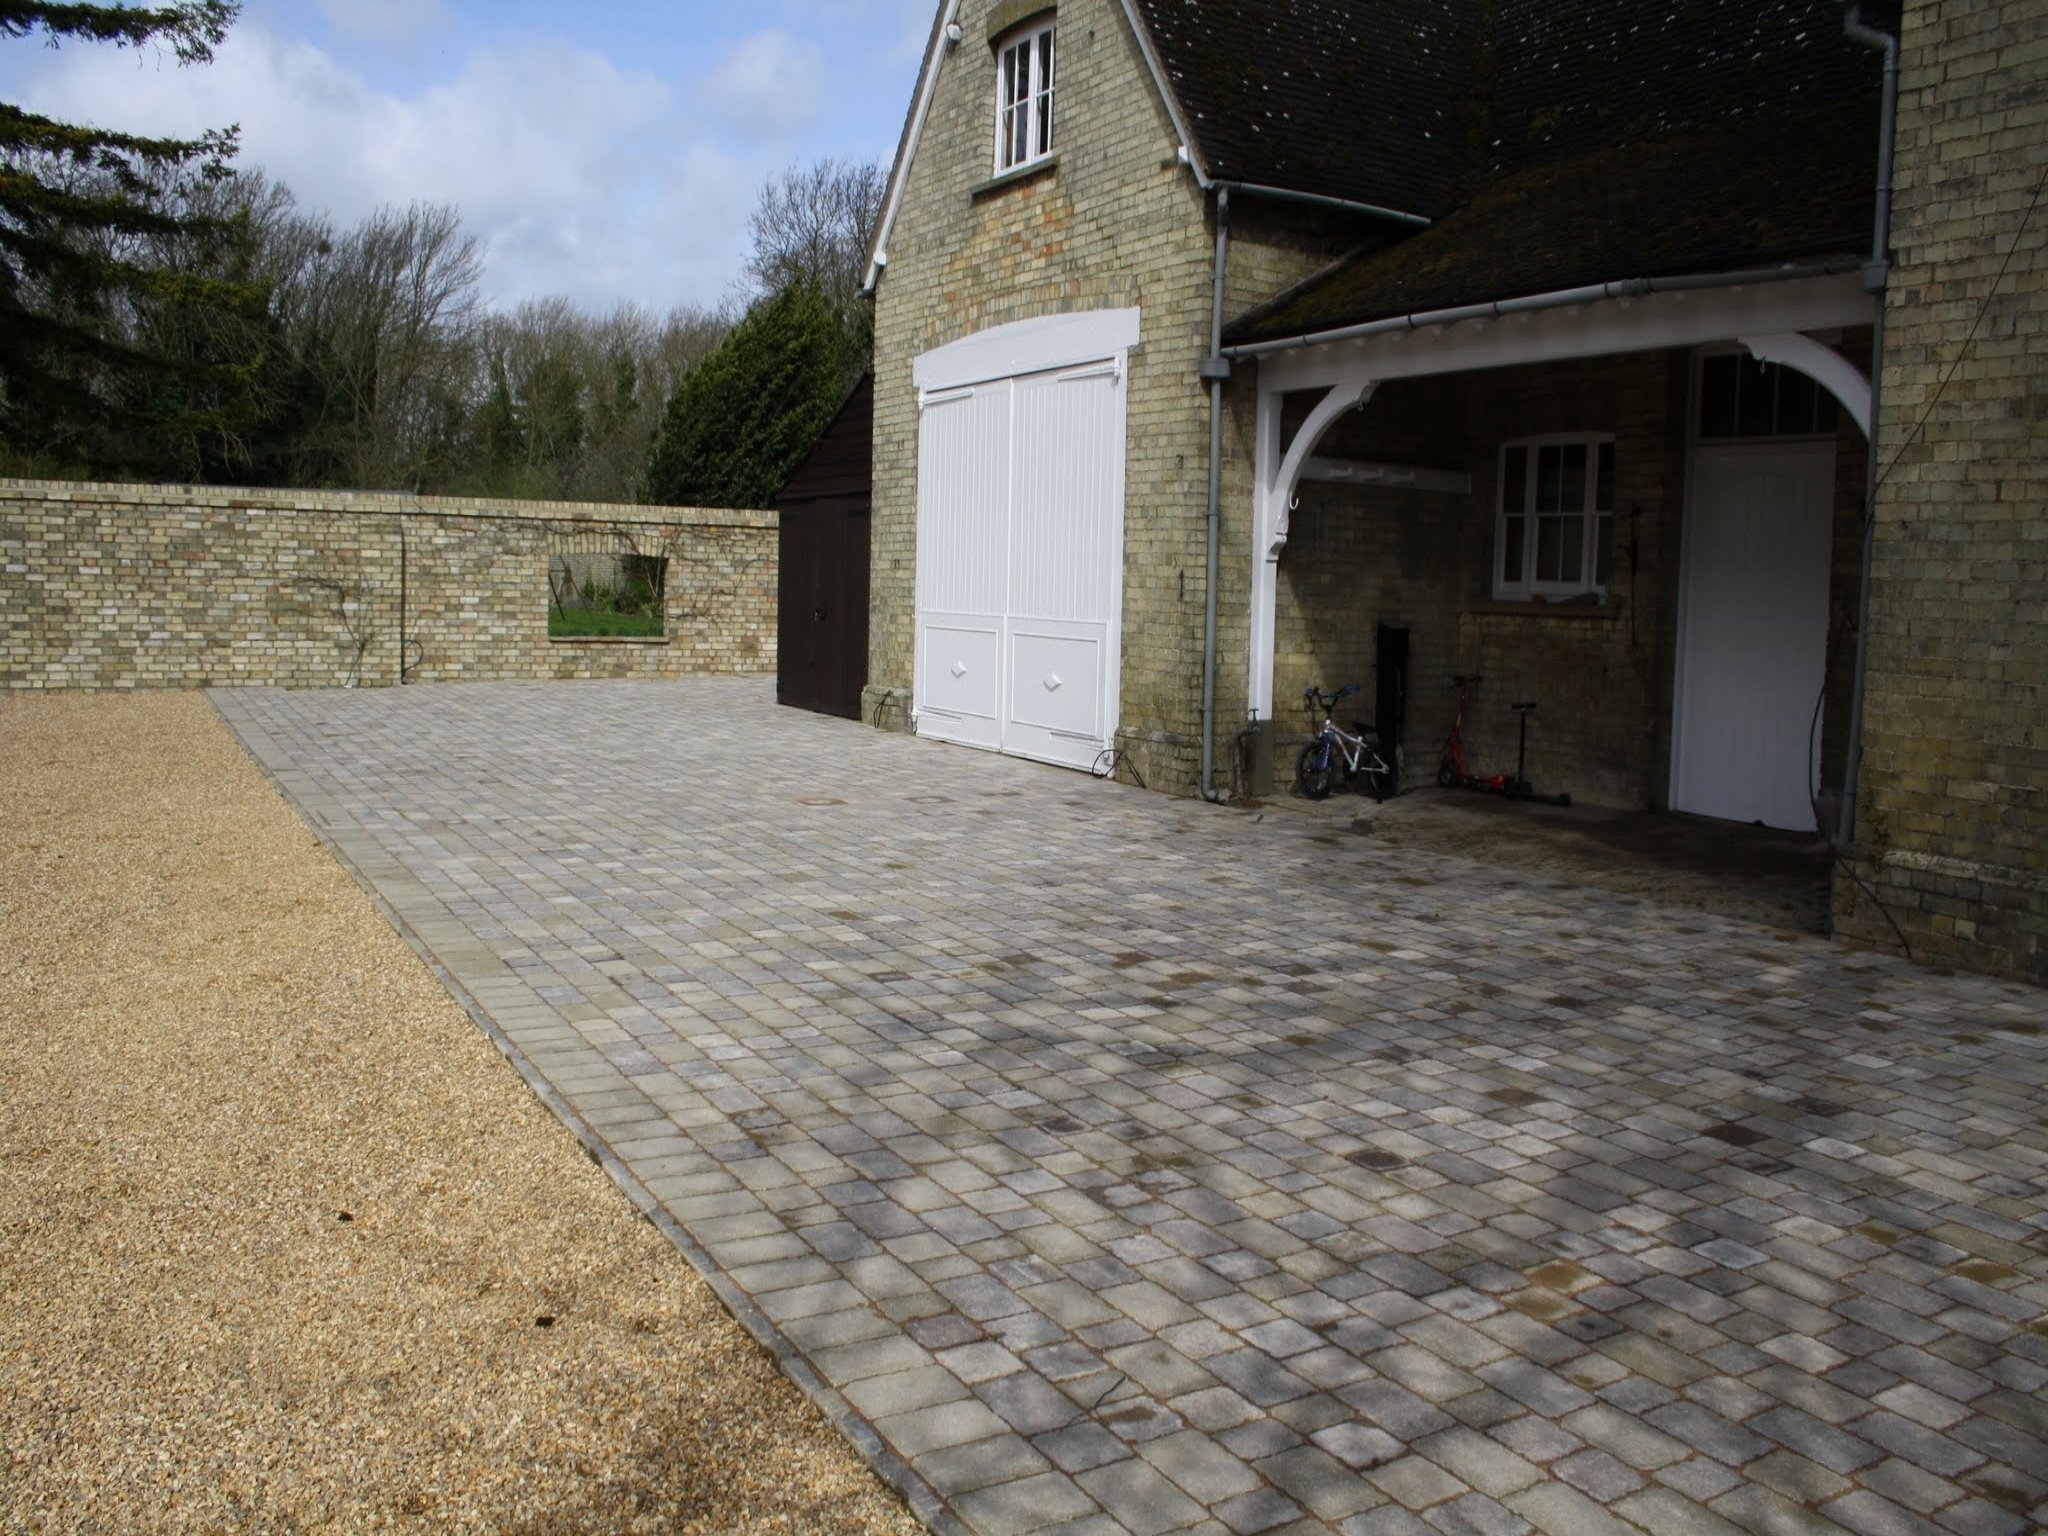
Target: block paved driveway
1105, 1162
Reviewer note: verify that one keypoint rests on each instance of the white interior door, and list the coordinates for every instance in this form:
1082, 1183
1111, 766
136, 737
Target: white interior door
1020, 563
1753, 648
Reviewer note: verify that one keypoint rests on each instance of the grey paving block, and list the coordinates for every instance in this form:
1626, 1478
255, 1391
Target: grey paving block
1319, 1482
1081, 1446
1751, 1218
1028, 1402
1476, 1515
1201, 1466
1144, 1501
1833, 1448
1028, 1504
980, 1464
1260, 1510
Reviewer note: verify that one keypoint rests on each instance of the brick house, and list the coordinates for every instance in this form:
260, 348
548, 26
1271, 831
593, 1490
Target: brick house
1212, 337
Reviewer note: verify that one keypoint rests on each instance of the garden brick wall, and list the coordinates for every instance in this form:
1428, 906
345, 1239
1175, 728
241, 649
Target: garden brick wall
132, 586
1116, 222
1953, 821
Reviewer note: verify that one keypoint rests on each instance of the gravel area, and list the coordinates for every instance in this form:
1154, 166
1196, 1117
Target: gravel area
285, 1244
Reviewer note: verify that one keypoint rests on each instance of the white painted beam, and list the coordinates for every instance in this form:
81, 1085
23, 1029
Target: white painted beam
1399, 477
1644, 322
1276, 476
1823, 364
1266, 452
1346, 396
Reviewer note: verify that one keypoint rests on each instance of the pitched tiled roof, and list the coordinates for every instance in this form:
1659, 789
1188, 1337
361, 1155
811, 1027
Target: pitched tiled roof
1742, 195
1555, 141
1575, 76
1415, 104
1368, 100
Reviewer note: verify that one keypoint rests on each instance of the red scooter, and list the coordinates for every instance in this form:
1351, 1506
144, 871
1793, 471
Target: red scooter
1451, 769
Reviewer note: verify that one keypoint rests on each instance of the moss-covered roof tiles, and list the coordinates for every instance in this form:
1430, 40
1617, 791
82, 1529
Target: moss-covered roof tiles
1553, 142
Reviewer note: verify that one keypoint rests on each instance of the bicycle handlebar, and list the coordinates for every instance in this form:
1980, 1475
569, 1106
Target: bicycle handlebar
1316, 695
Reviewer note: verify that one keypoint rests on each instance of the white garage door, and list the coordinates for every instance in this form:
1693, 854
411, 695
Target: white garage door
1020, 548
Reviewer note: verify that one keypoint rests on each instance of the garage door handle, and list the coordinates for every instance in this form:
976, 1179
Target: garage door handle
818, 615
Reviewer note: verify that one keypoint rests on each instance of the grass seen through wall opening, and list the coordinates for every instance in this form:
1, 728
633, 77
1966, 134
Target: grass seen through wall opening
602, 623
623, 599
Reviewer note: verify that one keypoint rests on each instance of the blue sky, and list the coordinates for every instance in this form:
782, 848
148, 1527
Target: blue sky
609, 152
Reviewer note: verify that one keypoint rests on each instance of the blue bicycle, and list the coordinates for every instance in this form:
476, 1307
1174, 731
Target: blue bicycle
1334, 754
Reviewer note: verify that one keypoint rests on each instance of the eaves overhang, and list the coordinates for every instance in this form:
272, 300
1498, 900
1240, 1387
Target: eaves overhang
1624, 315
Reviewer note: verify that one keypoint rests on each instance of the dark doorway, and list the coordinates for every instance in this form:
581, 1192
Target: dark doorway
822, 622
822, 591
1390, 678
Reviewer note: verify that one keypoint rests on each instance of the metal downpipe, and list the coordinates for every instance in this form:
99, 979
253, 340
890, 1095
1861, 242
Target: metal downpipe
1874, 282
1215, 369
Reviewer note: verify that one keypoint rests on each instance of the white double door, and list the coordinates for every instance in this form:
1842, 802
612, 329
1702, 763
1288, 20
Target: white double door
1020, 562
1754, 633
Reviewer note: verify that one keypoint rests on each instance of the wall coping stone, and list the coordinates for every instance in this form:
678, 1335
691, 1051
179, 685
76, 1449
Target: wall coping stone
386, 503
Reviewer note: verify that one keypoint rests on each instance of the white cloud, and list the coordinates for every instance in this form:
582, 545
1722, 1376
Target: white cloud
384, 21
768, 85
578, 176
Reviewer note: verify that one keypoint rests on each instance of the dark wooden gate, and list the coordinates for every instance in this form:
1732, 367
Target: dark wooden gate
822, 624
822, 603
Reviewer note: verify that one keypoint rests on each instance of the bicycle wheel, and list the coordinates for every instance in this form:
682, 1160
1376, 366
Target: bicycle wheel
1318, 769
1376, 778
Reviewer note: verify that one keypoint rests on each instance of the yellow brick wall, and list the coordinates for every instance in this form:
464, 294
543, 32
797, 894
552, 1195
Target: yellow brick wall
1117, 222
1953, 824
140, 586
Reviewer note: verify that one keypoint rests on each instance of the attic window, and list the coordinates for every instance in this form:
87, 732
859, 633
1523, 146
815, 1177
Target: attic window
1024, 76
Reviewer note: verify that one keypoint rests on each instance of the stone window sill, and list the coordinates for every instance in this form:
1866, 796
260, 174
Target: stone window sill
1593, 613
607, 639
1012, 178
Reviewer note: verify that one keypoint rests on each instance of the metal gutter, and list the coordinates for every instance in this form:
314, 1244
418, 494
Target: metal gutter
1562, 298
1319, 200
1874, 275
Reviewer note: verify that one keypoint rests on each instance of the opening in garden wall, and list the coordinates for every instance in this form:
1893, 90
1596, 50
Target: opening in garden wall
619, 595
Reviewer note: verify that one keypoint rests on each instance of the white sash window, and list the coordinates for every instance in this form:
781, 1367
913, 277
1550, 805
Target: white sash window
1024, 90
1554, 533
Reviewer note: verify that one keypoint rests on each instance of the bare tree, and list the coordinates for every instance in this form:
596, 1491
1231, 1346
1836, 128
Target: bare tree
363, 356
814, 224
385, 317
566, 404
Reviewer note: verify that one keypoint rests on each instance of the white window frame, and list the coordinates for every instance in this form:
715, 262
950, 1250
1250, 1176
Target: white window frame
1032, 45
1739, 439
1527, 586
